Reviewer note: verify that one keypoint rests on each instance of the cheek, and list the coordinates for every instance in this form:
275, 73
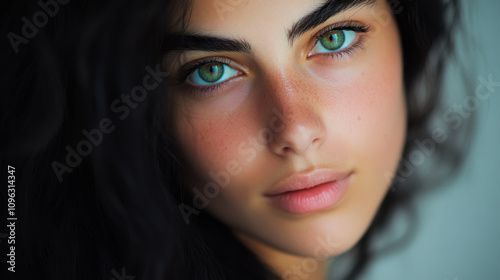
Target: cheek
379, 115
200, 140
226, 144
377, 137
370, 122
381, 119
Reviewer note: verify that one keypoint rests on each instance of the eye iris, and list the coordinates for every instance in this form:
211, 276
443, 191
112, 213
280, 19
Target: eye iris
211, 72
333, 40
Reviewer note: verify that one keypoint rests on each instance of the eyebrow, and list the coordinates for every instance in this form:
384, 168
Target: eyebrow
329, 9
189, 41
195, 42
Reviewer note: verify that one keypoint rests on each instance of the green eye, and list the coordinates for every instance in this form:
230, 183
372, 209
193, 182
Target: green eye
213, 72
334, 40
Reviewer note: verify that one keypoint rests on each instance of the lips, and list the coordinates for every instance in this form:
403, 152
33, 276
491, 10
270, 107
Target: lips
310, 192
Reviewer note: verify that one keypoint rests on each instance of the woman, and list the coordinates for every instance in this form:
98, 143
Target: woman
217, 139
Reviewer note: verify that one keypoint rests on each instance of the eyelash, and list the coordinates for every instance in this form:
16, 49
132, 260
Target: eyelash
347, 25
207, 91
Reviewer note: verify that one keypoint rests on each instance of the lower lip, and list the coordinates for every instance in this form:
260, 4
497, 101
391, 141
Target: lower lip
311, 200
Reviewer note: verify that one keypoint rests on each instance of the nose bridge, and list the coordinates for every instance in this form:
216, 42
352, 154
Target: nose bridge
292, 100
301, 120
289, 92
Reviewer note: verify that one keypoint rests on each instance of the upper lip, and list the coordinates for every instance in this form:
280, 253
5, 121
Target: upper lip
307, 180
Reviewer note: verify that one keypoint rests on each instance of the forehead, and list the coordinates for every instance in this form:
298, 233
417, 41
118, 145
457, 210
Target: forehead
221, 17
263, 26
230, 14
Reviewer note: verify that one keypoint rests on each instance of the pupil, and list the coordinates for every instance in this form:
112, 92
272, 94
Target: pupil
333, 40
211, 72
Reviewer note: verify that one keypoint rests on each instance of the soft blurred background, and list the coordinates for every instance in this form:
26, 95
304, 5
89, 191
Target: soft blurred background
459, 224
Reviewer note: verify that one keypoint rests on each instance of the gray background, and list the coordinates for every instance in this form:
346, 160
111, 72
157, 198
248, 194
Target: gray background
459, 232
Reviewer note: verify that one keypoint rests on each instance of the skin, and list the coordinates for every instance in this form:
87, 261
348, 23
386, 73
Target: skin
343, 113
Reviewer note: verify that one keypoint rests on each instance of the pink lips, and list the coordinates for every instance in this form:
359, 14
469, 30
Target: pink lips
310, 192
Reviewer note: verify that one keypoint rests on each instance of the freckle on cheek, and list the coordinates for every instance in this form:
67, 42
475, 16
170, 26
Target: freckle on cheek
211, 144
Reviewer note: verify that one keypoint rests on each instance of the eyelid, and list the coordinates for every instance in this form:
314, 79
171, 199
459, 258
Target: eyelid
350, 25
207, 90
344, 25
190, 67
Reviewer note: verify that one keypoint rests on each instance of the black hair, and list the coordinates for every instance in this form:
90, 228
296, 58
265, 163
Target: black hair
97, 177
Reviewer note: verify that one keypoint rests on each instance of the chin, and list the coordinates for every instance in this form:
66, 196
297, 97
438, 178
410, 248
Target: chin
325, 238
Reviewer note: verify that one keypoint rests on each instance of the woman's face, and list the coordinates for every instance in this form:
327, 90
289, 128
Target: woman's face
283, 96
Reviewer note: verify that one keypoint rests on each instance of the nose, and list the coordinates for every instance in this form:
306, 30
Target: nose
297, 110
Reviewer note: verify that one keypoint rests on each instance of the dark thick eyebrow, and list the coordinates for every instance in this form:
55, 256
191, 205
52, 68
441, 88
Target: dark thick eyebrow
195, 42
322, 14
